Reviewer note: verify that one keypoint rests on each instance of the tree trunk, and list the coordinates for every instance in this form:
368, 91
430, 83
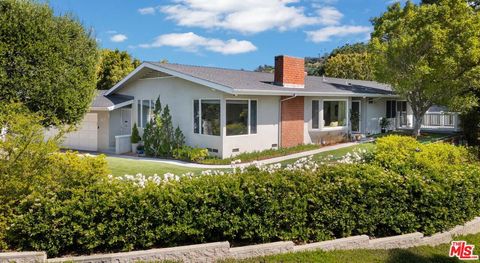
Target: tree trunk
417, 124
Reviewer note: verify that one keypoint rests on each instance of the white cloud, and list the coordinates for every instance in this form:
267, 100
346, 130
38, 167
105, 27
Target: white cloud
325, 34
117, 38
247, 16
329, 16
192, 42
147, 10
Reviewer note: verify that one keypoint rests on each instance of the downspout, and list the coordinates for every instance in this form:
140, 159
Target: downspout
280, 119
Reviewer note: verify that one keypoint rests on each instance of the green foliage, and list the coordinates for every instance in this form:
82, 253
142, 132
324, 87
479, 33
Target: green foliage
357, 48
190, 154
265, 68
135, 135
30, 164
113, 66
262, 155
470, 121
404, 154
94, 214
350, 66
384, 123
160, 138
47, 62
430, 54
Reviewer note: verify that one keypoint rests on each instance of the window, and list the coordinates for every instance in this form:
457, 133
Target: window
335, 113
206, 117
391, 109
315, 119
241, 113
144, 112
237, 117
253, 117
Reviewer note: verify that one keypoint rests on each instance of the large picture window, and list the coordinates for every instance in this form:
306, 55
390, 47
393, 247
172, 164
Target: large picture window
335, 113
391, 109
144, 112
206, 117
241, 117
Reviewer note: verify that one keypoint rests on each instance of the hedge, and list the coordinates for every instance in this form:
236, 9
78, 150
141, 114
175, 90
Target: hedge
99, 214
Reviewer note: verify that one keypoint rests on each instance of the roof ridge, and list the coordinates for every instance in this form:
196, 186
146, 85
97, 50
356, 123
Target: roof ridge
212, 67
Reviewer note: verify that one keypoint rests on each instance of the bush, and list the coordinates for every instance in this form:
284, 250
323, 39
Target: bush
403, 153
135, 135
95, 214
190, 154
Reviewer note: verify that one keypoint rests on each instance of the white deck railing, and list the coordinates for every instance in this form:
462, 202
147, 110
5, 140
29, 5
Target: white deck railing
442, 121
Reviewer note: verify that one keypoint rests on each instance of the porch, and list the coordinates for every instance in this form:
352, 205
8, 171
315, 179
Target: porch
432, 121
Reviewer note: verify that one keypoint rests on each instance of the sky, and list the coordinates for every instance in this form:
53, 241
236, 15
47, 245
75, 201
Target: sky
239, 34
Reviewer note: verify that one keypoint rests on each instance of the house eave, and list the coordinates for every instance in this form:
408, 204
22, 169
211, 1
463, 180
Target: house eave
311, 94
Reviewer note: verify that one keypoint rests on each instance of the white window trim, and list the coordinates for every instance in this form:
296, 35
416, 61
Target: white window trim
319, 119
359, 113
151, 105
338, 128
249, 118
200, 117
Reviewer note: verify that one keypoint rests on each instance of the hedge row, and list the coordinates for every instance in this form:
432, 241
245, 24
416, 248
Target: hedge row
96, 214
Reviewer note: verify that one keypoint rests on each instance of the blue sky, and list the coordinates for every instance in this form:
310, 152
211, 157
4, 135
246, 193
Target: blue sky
224, 33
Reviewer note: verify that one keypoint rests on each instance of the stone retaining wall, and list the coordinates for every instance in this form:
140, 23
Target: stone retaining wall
212, 252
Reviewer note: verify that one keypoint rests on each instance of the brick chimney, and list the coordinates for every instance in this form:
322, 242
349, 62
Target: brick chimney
289, 72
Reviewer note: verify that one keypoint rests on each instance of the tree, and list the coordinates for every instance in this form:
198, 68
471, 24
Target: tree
113, 66
430, 54
47, 62
160, 138
357, 48
350, 66
474, 3
265, 68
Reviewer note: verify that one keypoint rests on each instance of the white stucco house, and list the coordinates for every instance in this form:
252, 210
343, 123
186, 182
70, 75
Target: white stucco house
233, 111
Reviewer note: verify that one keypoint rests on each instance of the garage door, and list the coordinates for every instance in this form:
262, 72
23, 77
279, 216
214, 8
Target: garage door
85, 137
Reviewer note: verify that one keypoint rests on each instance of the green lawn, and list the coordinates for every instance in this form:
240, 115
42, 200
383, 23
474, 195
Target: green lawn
121, 166
425, 254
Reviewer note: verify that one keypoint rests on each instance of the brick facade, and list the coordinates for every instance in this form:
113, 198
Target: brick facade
289, 71
292, 122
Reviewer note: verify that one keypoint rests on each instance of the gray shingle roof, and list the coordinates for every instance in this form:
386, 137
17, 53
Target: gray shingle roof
245, 81
102, 101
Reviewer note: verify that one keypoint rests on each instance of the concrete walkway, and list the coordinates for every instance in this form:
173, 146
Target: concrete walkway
227, 166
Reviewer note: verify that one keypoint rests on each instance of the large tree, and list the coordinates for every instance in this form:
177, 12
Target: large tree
113, 66
473, 3
430, 54
350, 66
47, 62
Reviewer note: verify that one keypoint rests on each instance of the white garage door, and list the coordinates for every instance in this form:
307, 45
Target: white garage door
84, 138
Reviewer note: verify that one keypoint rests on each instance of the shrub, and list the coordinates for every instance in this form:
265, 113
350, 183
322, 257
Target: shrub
160, 138
97, 215
135, 135
403, 153
190, 154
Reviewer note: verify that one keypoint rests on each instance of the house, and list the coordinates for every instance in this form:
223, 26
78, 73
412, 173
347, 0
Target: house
234, 111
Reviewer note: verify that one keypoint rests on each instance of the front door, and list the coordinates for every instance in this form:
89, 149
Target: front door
126, 127
355, 115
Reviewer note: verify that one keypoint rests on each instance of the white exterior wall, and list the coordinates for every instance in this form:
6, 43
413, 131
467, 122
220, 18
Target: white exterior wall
115, 126
179, 94
374, 111
267, 127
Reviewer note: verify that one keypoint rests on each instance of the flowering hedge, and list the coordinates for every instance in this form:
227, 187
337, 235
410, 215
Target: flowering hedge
307, 201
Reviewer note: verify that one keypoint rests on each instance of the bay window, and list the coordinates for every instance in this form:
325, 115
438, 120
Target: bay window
334, 113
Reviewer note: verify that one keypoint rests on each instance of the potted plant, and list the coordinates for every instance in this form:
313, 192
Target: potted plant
135, 139
384, 123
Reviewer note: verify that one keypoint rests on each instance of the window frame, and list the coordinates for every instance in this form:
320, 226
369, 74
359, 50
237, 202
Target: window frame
328, 128
200, 130
249, 117
318, 114
151, 106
